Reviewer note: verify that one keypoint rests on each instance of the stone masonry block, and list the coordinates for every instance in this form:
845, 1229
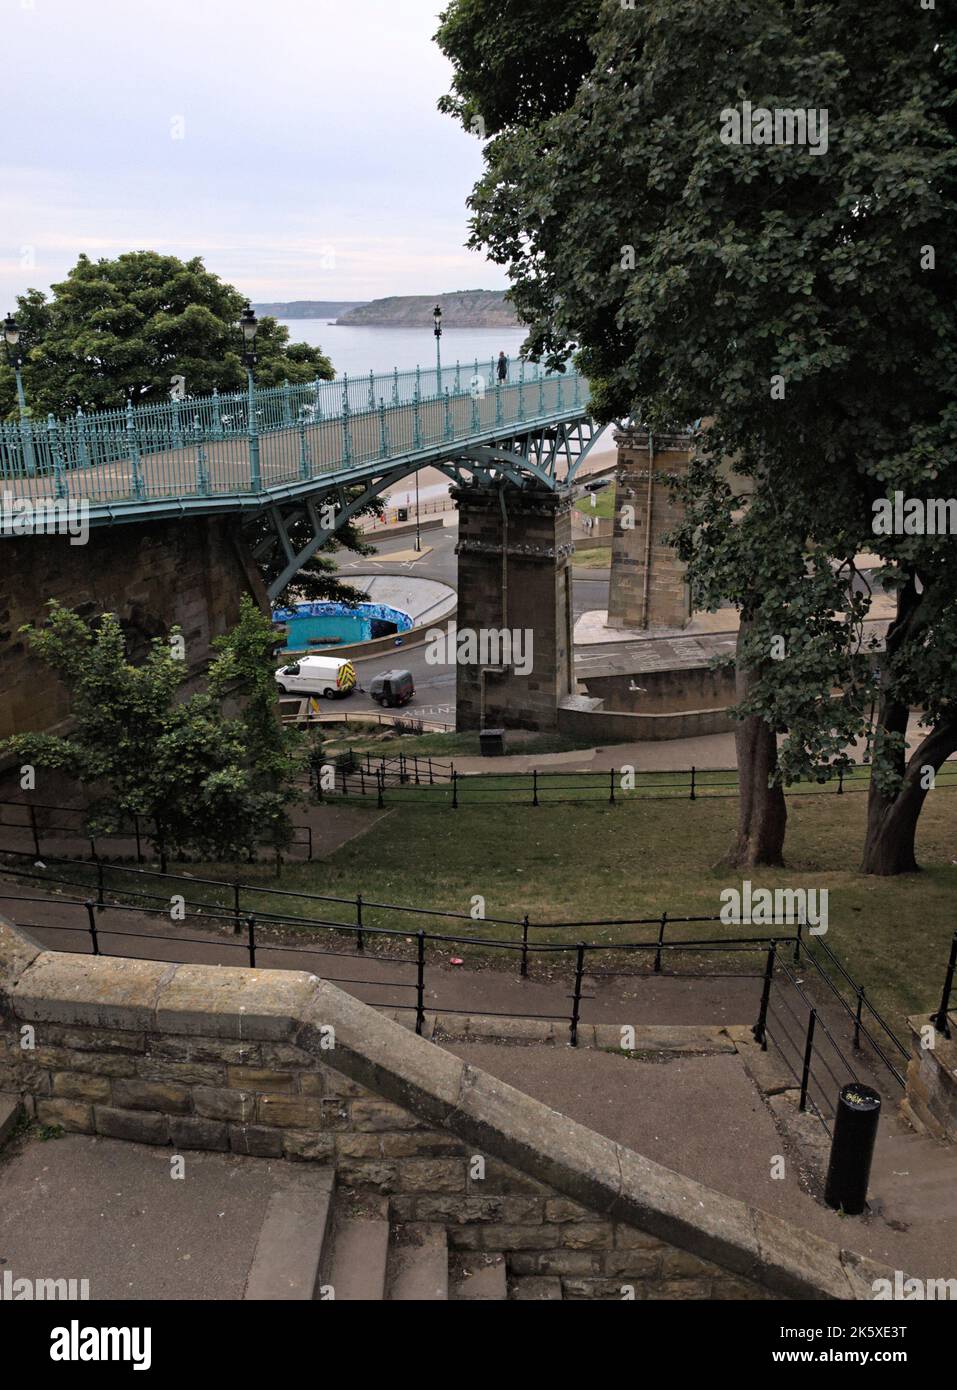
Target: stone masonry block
217, 1104
260, 1079
78, 1086
117, 993
139, 1126
69, 1114
233, 1002
191, 1132
257, 1140
164, 1096
297, 1112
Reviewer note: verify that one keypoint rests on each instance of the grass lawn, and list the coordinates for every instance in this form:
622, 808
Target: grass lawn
597, 557
594, 862
604, 504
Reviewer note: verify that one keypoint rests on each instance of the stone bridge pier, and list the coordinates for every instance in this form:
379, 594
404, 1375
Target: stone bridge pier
514, 638
648, 587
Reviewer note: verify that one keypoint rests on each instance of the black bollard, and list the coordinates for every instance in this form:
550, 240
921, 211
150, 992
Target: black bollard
852, 1148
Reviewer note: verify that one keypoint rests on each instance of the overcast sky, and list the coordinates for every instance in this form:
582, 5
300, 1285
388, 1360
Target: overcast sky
294, 144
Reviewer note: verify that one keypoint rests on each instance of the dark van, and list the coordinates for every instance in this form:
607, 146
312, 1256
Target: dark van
392, 688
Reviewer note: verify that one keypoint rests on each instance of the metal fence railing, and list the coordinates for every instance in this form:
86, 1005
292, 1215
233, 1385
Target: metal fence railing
130, 908
797, 1027
397, 777
211, 445
47, 827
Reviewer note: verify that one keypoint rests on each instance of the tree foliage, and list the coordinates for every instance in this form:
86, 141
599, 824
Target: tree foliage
801, 303
118, 330
211, 774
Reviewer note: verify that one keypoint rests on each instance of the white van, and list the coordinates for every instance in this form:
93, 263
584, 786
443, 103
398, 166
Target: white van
318, 675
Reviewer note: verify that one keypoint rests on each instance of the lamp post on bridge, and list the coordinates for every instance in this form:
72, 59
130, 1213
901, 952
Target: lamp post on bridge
250, 327
12, 335
437, 320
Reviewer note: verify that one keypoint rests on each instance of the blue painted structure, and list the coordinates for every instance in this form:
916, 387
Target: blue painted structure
351, 622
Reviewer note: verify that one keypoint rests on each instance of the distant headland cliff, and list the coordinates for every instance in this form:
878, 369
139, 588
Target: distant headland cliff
309, 308
460, 309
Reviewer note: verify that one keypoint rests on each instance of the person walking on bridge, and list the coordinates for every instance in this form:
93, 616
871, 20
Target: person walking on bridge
502, 366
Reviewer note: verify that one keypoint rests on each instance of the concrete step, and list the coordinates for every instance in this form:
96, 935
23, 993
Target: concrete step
913, 1177
357, 1268
478, 1276
294, 1233
10, 1110
418, 1265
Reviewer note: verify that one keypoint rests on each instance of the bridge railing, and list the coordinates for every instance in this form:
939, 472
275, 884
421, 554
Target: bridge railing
52, 446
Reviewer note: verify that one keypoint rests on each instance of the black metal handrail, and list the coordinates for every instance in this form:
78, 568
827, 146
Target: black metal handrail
134, 829
402, 774
775, 1004
251, 943
940, 1019
238, 915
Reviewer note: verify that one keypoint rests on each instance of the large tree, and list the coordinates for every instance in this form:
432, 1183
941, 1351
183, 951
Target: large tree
118, 330
800, 300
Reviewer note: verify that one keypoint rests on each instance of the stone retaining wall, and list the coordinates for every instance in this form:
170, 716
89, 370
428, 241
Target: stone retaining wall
597, 725
931, 1097
188, 572
281, 1064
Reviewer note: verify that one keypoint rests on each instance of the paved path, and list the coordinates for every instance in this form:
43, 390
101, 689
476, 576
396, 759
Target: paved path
702, 1116
107, 1211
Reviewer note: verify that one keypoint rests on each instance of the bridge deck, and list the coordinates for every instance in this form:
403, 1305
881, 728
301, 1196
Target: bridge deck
307, 456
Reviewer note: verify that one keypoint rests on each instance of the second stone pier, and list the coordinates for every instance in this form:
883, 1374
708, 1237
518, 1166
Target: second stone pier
514, 638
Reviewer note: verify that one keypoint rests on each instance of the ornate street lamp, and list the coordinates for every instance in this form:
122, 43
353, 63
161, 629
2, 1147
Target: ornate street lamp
249, 325
437, 320
12, 336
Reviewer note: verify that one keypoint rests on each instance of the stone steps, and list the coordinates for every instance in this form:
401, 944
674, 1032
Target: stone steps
312, 1248
479, 1277
913, 1174
418, 1265
358, 1260
291, 1243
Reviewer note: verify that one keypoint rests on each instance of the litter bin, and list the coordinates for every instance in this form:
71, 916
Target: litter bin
402, 513
852, 1148
492, 742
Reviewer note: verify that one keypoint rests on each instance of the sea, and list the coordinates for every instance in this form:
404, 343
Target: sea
358, 351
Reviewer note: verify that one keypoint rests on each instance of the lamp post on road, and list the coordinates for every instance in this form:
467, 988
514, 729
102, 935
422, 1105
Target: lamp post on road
250, 327
12, 336
418, 541
437, 320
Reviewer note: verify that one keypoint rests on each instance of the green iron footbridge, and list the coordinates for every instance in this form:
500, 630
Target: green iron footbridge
291, 451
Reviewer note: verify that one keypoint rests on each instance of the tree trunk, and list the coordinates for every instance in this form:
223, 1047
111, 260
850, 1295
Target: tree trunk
890, 847
762, 811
